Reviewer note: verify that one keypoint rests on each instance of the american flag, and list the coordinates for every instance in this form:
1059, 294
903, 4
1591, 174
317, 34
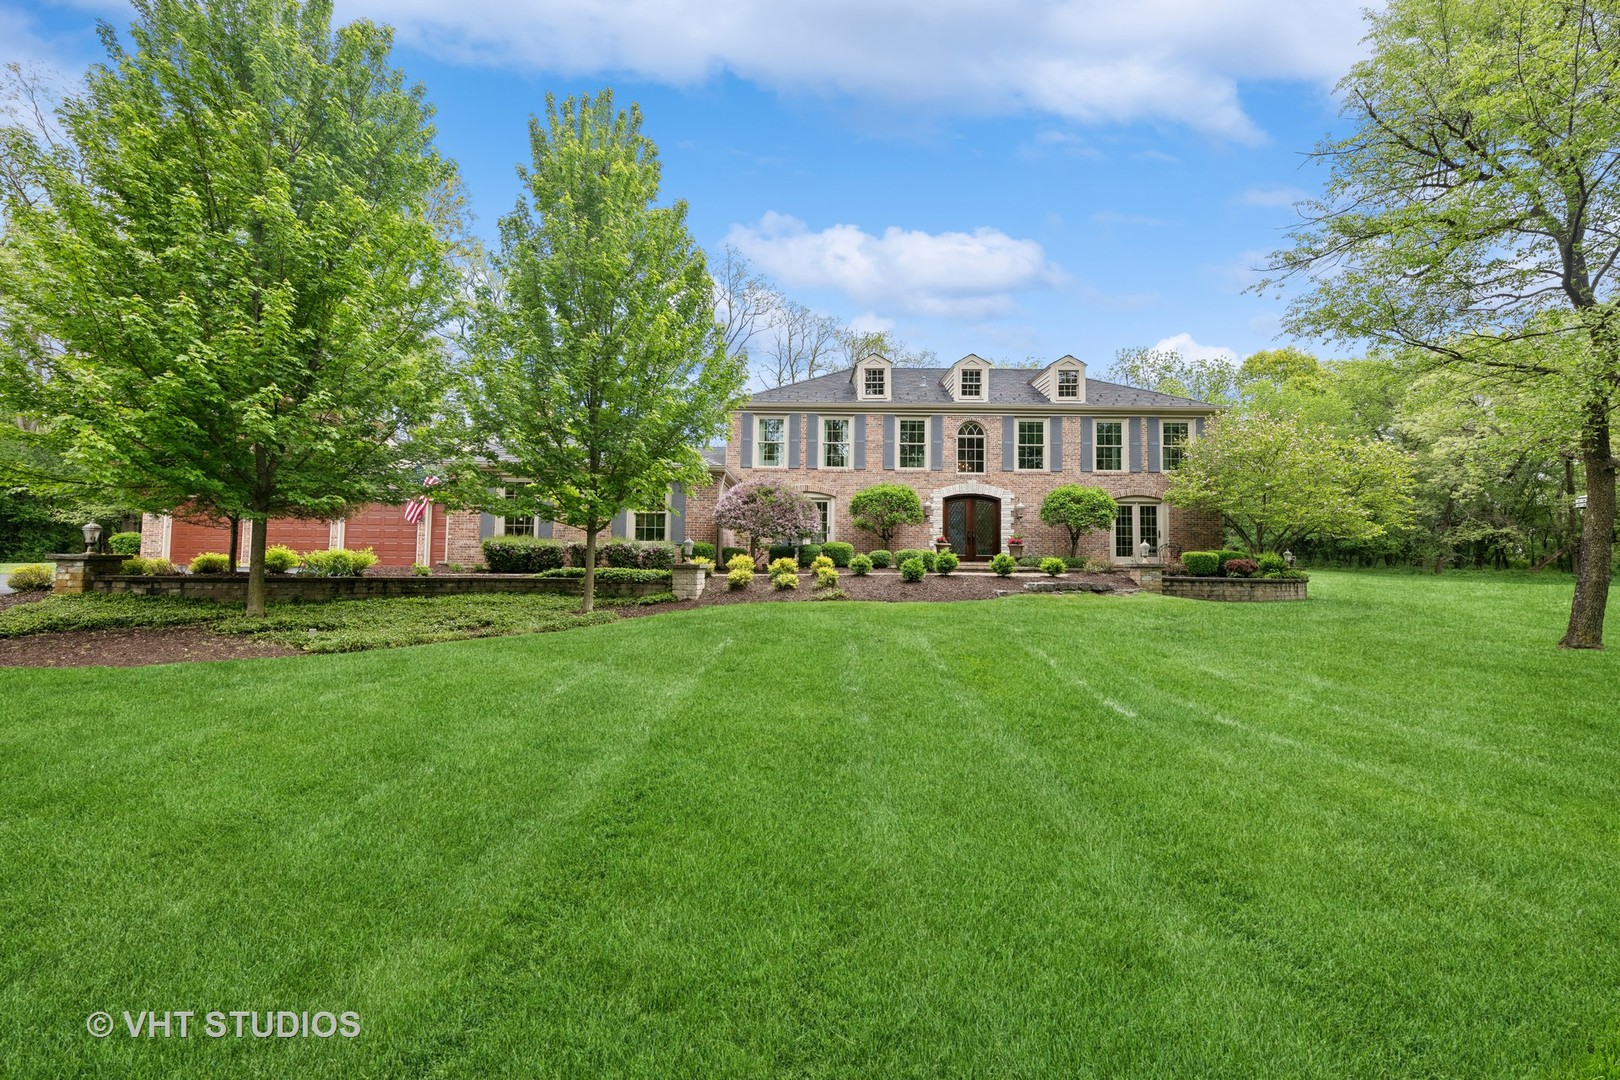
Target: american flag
418, 506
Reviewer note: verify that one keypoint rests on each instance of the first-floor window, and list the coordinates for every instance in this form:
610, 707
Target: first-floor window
914, 444
652, 525
835, 444
772, 442
1032, 444
522, 525
1134, 525
1175, 444
1110, 446
824, 512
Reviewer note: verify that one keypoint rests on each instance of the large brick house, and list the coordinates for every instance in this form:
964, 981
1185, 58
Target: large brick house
981, 445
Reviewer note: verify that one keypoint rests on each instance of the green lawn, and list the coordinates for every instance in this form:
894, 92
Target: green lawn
1375, 834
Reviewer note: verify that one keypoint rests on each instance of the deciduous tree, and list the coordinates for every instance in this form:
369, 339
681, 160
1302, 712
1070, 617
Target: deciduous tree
764, 510
1080, 510
883, 508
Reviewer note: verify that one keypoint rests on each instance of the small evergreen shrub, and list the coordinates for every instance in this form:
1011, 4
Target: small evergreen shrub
700, 550
826, 577
1294, 575
839, 552
34, 577
1272, 563
149, 567
124, 543
279, 558
739, 561
621, 553
338, 562
210, 562
522, 554
576, 554
1052, 566
1201, 563
927, 557
822, 561
421, 569
134, 565
1226, 555
808, 554
779, 551
727, 554
831, 594
740, 577
655, 555
1241, 567
612, 575
946, 561
1003, 564
784, 582
860, 565
881, 559
1096, 565
779, 567
912, 570
1031, 561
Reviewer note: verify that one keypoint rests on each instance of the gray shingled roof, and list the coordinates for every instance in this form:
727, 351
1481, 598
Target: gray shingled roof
924, 386
715, 455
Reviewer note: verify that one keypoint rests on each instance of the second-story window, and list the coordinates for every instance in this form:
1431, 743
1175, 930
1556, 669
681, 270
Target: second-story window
835, 444
1175, 445
970, 448
875, 382
1110, 446
1032, 444
972, 383
772, 442
1068, 384
914, 444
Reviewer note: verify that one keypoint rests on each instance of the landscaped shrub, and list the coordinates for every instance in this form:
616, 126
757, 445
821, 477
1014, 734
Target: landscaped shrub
912, 570
1201, 563
700, 550
740, 578
279, 558
1052, 566
210, 562
576, 554
124, 543
1031, 561
522, 554
149, 567
656, 556
821, 562
34, 577
946, 561
778, 567
860, 565
421, 569
881, 559
338, 562
727, 554
618, 553
611, 575
739, 561
826, 577
831, 594
779, 551
1097, 565
808, 554
1241, 567
1272, 563
784, 581
1294, 575
1003, 564
926, 557
1226, 555
840, 553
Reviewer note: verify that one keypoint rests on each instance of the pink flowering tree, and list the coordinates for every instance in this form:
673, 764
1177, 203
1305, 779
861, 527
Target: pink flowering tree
764, 510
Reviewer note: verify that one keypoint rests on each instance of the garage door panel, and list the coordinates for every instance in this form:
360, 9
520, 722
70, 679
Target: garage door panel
384, 530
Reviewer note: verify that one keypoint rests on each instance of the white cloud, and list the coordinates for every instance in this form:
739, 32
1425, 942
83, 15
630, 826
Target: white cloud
1187, 347
1272, 196
1090, 61
955, 275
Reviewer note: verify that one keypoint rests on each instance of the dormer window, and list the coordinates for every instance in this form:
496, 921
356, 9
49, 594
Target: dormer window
972, 383
1068, 384
876, 382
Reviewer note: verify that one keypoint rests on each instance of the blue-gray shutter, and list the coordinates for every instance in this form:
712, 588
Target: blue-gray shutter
860, 442
1009, 443
1088, 438
812, 443
1155, 436
677, 506
1198, 427
621, 525
486, 526
545, 528
1135, 437
936, 443
1054, 449
889, 425
747, 440
793, 441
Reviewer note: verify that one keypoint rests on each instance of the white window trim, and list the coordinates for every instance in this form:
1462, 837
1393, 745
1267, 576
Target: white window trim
760, 442
1134, 505
927, 444
1057, 384
865, 395
849, 441
1164, 443
984, 460
962, 394
667, 523
534, 519
832, 513
1046, 444
1124, 447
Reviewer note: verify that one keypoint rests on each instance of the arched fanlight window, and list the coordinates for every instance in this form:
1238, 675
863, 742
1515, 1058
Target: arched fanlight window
970, 448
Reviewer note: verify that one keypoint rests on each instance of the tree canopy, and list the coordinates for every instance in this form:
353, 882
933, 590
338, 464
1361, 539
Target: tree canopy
1080, 510
883, 508
762, 510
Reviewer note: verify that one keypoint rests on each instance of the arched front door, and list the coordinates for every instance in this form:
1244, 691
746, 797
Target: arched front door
973, 525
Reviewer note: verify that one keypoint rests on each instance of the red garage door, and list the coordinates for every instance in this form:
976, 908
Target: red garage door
384, 530
297, 534
188, 538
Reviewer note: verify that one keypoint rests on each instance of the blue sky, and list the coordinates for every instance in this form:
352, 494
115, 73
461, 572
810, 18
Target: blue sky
1007, 177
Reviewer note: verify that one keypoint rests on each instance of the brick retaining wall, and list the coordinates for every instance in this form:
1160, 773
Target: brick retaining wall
307, 589
1234, 589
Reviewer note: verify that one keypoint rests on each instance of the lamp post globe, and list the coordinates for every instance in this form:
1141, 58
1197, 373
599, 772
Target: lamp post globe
92, 536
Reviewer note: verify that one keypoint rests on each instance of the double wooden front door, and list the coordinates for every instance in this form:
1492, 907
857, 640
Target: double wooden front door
973, 526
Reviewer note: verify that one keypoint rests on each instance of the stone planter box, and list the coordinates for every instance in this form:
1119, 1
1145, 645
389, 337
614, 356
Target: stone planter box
298, 589
1234, 589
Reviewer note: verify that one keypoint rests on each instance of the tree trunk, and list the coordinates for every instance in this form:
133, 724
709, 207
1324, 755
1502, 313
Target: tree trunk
589, 601
236, 541
255, 592
1572, 536
1592, 558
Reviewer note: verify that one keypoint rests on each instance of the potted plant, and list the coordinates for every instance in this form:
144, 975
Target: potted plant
942, 543
1015, 546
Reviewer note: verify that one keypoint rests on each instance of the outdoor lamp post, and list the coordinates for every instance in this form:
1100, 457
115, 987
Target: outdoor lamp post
92, 537
1288, 557
686, 550
1144, 551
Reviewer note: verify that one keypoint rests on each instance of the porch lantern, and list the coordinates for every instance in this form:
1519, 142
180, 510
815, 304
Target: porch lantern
686, 550
1144, 551
1288, 557
92, 537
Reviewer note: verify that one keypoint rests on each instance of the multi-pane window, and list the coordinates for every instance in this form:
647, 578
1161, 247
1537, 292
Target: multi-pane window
1175, 444
824, 511
1136, 524
772, 442
652, 525
835, 444
970, 448
1147, 528
972, 383
1068, 384
875, 381
1032, 444
1124, 544
914, 444
1110, 446
516, 526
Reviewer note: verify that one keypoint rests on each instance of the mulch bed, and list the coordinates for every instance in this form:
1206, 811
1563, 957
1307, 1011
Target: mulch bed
132, 648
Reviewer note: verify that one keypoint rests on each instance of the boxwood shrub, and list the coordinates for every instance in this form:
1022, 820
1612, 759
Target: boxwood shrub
209, 562
779, 551
860, 565
840, 553
925, 557
700, 550
521, 554
808, 554
1201, 563
729, 553
1003, 564
338, 562
1052, 566
279, 558
124, 543
1272, 563
912, 570
946, 561
881, 559
610, 575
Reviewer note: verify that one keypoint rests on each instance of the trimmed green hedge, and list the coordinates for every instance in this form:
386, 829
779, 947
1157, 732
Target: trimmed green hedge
611, 575
521, 554
840, 553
